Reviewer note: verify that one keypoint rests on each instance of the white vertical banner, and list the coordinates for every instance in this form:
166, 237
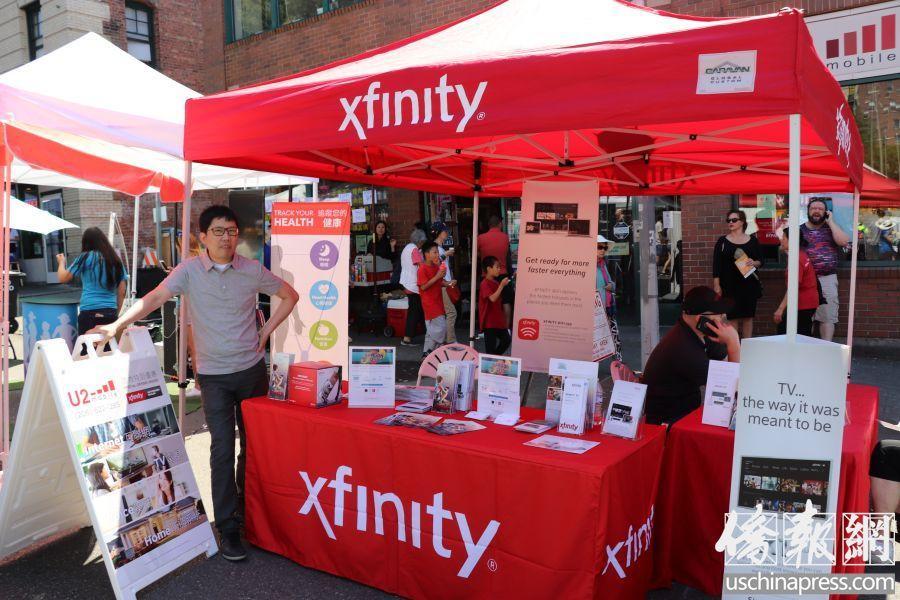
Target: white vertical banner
311, 252
97, 442
557, 274
787, 458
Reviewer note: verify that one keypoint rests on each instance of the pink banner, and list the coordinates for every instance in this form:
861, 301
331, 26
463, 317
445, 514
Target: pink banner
557, 273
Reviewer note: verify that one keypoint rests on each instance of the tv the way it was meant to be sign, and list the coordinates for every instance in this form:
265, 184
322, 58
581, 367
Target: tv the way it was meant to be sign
97, 443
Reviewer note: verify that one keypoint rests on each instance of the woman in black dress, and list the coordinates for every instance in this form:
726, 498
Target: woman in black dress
728, 280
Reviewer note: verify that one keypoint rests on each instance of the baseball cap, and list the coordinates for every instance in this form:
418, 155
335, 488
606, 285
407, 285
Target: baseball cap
439, 227
703, 299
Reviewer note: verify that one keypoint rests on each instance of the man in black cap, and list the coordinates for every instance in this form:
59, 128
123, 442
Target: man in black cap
678, 365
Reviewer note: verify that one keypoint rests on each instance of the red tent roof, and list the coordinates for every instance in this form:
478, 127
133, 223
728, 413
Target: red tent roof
878, 190
645, 101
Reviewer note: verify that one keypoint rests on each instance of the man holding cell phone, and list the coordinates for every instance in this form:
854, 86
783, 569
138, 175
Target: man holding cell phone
826, 238
677, 367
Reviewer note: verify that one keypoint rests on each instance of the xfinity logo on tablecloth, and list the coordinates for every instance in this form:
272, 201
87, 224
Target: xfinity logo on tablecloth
474, 550
418, 103
630, 549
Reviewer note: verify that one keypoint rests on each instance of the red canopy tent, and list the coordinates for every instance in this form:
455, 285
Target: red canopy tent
646, 102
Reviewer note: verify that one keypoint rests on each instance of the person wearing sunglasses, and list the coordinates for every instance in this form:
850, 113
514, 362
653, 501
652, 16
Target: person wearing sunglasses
736, 258
605, 284
223, 288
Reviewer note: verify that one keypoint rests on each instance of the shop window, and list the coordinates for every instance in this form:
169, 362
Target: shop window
877, 231
248, 17
35, 34
139, 32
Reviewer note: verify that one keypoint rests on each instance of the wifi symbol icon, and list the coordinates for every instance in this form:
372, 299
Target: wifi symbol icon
529, 329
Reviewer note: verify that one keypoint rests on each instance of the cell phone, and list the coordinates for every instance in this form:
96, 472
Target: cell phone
703, 326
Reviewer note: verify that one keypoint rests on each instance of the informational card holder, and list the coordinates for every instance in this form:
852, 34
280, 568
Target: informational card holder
574, 414
97, 443
373, 373
498, 385
625, 413
720, 398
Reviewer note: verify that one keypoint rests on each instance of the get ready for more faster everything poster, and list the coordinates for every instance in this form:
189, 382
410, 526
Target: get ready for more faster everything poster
311, 252
557, 273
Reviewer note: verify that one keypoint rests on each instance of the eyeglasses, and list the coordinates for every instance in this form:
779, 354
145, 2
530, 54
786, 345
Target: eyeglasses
602, 247
220, 231
732, 220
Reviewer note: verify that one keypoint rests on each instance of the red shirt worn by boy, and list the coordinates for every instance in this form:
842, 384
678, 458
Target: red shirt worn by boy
808, 293
491, 315
432, 298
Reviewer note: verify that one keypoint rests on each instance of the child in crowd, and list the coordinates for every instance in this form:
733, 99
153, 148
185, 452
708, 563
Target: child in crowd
431, 282
490, 309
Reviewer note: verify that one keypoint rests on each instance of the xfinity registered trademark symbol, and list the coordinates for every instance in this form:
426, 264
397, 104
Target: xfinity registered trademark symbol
492, 565
480, 116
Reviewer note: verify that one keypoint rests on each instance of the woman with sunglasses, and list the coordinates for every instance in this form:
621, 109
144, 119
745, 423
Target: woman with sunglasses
605, 284
735, 260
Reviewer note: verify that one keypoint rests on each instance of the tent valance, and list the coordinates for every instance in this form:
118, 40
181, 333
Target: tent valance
645, 101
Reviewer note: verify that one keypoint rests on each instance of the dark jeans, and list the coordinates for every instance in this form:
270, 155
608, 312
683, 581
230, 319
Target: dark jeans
414, 316
804, 323
496, 341
222, 396
88, 319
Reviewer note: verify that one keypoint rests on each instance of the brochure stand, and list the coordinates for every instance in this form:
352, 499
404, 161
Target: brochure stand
625, 416
97, 443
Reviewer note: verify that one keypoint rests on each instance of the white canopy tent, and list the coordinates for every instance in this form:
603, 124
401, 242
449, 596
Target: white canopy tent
116, 111
24, 217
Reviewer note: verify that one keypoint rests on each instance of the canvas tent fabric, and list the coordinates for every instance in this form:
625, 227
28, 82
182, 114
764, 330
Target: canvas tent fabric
112, 101
878, 190
24, 217
535, 90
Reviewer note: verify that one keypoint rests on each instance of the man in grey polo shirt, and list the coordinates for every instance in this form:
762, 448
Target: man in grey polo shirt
222, 287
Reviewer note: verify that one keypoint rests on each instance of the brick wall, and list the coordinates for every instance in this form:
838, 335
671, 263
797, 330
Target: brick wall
335, 35
702, 222
747, 8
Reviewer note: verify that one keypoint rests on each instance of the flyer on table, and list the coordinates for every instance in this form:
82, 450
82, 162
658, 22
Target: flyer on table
498, 385
372, 376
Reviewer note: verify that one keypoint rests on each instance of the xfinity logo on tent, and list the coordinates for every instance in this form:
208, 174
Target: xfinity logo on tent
474, 549
402, 107
727, 72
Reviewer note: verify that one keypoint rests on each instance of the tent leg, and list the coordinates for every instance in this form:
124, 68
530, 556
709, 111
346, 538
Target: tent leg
4, 318
134, 249
649, 291
315, 192
793, 281
182, 305
473, 286
854, 248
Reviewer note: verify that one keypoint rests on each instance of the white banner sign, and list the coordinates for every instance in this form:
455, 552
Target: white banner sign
557, 275
787, 457
132, 474
311, 252
859, 43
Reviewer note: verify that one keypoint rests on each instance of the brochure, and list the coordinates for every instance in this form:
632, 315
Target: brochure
559, 370
626, 406
498, 384
278, 376
372, 375
465, 383
506, 419
454, 426
478, 415
412, 393
534, 427
406, 419
574, 412
416, 406
445, 387
719, 401
562, 444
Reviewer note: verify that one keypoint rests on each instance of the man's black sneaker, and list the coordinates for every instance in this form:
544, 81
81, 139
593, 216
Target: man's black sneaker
409, 343
232, 548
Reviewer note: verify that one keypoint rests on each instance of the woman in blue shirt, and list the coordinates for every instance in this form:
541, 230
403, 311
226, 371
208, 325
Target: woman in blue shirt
102, 280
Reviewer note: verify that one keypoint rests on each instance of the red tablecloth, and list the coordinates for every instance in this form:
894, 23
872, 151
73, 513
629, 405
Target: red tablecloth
560, 515
696, 484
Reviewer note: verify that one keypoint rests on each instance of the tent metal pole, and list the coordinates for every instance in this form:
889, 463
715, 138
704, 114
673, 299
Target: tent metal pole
4, 318
793, 282
134, 248
182, 305
854, 248
315, 191
473, 285
649, 285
